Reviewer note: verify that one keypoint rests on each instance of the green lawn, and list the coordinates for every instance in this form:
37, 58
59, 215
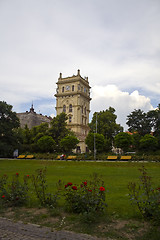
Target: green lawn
116, 176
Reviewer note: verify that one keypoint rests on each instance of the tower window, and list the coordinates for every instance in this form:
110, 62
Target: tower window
70, 119
62, 89
82, 109
70, 107
72, 88
79, 87
85, 110
64, 108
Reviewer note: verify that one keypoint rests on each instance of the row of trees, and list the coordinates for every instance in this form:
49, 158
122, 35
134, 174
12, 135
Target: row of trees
104, 133
42, 138
143, 131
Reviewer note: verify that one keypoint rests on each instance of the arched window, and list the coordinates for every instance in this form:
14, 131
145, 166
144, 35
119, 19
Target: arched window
70, 119
70, 107
82, 109
62, 89
64, 108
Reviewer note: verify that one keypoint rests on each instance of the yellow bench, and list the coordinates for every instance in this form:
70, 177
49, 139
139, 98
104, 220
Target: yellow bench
112, 158
58, 157
21, 156
71, 157
29, 157
126, 157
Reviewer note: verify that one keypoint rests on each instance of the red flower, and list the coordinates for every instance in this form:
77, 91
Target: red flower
74, 188
28, 176
17, 174
66, 186
102, 189
3, 196
85, 183
69, 184
158, 188
89, 190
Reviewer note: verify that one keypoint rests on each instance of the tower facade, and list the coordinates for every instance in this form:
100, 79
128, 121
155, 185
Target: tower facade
73, 98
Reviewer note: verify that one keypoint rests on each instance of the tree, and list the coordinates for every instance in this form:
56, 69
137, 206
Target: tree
148, 143
95, 140
123, 140
139, 122
39, 131
8, 123
105, 123
46, 144
154, 117
136, 140
58, 129
69, 143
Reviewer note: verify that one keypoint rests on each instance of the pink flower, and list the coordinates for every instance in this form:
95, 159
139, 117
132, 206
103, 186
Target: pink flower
102, 189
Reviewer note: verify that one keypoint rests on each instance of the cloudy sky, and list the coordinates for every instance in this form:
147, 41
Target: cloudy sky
116, 43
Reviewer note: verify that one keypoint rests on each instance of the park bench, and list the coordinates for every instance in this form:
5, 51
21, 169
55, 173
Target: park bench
29, 157
21, 156
126, 157
71, 157
112, 158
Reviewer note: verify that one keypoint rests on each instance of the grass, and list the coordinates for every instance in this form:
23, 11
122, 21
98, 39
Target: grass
116, 176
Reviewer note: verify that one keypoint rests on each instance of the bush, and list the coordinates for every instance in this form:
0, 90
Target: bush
40, 188
145, 196
87, 197
14, 193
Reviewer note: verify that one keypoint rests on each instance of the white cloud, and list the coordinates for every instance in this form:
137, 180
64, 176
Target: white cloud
123, 102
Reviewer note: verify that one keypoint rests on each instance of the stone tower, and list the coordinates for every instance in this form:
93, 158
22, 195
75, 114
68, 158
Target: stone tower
73, 98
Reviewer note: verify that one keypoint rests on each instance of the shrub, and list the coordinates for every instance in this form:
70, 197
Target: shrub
145, 196
14, 193
40, 188
89, 196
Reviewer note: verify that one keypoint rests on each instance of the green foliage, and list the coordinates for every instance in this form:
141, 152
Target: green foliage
40, 188
68, 143
123, 140
145, 196
87, 197
14, 193
154, 117
106, 123
58, 128
139, 122
148, 143
46, 144
96, 138
8, 136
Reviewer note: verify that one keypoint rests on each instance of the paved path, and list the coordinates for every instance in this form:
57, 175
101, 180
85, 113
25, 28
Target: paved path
10, 230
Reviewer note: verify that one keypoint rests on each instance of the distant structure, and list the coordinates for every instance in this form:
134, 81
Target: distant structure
32, 119
73, 98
